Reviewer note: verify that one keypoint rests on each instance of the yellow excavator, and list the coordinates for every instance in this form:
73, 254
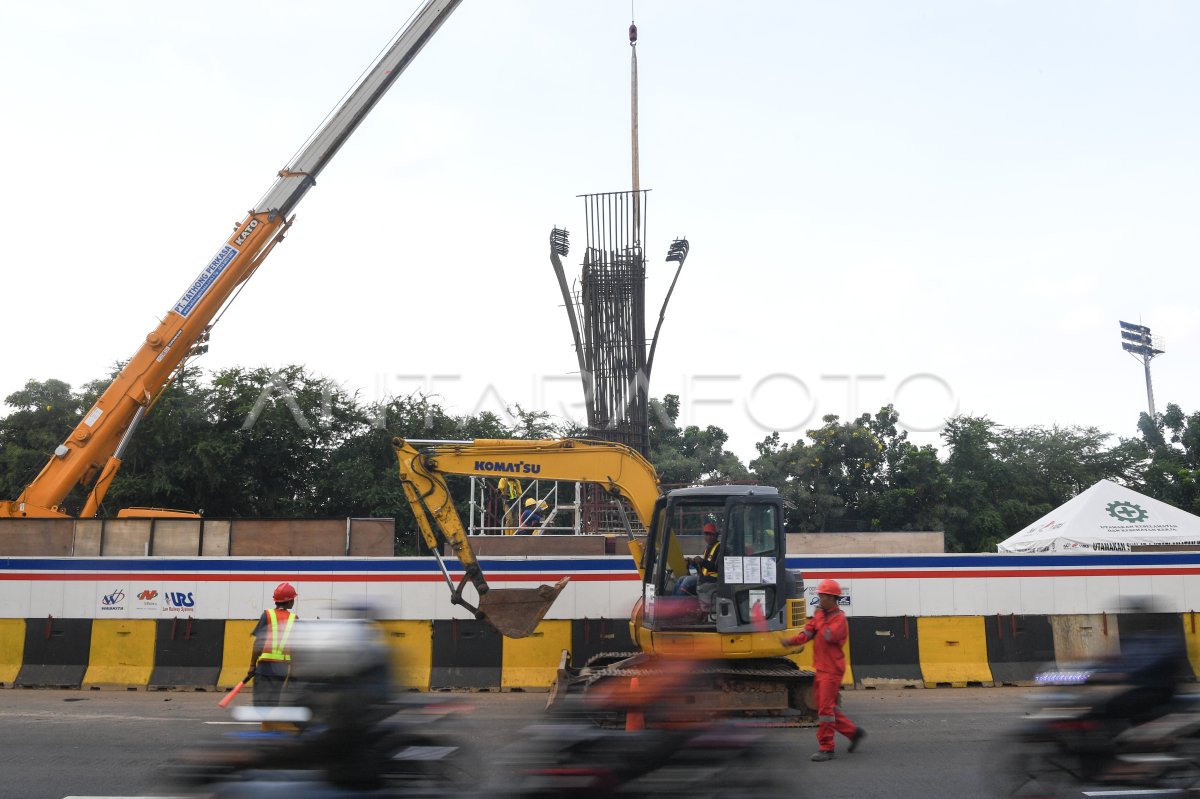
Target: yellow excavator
735, 626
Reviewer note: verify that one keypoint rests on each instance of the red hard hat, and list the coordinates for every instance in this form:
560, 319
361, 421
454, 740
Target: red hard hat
830, 587
710, 528
285, 591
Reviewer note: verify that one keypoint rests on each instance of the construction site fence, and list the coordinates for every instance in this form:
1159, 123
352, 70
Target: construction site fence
174, 537
454, 654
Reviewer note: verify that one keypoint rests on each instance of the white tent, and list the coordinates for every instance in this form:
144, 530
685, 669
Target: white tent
1106, 518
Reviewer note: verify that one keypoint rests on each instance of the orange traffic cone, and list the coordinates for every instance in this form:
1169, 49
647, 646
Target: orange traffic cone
634, 719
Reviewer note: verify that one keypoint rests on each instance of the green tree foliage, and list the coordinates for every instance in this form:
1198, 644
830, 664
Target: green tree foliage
859, 475
263, 442
44, 413
1172, 443
1002, 479
689, 455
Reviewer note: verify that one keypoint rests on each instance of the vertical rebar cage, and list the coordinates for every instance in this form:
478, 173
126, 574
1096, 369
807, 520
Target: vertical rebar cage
612, 301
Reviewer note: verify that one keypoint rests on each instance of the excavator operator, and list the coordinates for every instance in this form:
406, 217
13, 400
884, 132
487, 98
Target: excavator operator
706, 565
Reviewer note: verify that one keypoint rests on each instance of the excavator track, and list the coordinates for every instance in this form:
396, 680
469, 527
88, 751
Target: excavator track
768, 691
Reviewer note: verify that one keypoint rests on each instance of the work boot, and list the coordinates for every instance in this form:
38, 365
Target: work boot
822, 756
859, 734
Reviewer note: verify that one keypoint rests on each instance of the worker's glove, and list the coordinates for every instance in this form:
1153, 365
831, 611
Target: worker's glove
249, 675
792, 640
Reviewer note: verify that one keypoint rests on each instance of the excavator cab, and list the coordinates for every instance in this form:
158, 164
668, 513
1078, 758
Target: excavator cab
750, 588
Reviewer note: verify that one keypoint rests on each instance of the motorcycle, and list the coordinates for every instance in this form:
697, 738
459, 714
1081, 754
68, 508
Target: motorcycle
410, 747
663, 751
1074, 742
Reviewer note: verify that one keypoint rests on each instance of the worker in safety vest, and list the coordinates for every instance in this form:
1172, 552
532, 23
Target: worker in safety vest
706, 564
827, 629
271, 661
510, 492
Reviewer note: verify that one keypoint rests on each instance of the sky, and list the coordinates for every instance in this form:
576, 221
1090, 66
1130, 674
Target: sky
943, 205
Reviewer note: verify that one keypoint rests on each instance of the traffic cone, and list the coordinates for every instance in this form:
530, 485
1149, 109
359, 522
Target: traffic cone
634, 719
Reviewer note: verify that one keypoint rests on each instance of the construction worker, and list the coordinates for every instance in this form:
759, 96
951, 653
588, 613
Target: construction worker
828, 630
531, 517
706, 564
510, 492
271, 661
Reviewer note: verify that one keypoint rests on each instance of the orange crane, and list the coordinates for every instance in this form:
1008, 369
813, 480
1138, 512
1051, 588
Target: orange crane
91, 455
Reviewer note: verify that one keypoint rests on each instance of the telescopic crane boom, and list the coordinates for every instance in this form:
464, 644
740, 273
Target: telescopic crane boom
91, 454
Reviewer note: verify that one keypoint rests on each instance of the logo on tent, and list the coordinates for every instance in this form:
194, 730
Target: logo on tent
1127, 511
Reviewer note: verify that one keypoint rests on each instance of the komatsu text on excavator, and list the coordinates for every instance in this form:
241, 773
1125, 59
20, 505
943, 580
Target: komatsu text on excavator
737, 626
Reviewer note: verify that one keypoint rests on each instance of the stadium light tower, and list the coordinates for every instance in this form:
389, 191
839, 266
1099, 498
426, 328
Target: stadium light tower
1137, 341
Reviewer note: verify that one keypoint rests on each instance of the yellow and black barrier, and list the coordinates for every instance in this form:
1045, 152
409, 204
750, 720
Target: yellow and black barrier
903, 651
56, 653
1018, 647
884, 651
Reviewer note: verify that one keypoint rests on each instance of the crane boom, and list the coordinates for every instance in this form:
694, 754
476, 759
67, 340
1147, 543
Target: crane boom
91, 454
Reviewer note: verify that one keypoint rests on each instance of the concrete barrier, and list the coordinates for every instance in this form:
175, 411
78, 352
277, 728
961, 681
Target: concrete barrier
1192, 637
533, 662
466, 654
188, 653
236, 649
12, 649
411, 643
886, 651
56, 653
121, 653
593, 637
953, 651
1084, 637
1018, 647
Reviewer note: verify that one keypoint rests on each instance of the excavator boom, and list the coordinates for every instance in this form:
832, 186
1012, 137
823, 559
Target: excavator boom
514, 612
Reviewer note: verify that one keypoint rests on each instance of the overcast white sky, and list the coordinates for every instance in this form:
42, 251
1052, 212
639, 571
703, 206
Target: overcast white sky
946, 205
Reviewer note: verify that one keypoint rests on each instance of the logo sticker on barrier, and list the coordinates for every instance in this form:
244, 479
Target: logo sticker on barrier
113, 600
178, 601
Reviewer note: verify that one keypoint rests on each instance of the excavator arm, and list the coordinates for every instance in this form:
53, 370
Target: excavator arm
514, 612
622, 471
91, 455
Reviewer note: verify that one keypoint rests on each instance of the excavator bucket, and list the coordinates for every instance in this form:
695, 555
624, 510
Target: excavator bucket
515, 612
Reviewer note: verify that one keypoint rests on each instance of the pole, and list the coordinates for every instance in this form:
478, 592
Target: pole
633, 99
1149, 386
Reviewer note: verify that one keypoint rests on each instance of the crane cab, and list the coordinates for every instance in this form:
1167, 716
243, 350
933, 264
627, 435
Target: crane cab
751, 588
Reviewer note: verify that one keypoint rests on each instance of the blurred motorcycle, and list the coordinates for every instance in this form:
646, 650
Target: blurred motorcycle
353, 738
1093, 730
663, 752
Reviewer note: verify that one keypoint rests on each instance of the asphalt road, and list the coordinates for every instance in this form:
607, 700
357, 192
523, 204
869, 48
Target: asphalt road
921, 743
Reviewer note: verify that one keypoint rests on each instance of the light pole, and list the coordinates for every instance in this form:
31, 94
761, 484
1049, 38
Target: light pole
1137, 341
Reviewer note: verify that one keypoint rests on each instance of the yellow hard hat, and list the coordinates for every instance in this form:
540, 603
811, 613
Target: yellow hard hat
529, 502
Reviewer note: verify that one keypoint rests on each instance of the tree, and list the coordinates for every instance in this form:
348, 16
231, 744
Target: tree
44, 415
688, 455
859, 475
1172, 442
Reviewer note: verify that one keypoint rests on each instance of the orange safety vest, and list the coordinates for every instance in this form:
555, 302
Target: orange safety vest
276, 645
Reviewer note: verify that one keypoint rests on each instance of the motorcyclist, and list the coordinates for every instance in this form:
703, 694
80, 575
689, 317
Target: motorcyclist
342, 676
1146, 672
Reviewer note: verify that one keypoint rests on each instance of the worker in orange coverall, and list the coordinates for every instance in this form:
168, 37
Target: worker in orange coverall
827, 629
